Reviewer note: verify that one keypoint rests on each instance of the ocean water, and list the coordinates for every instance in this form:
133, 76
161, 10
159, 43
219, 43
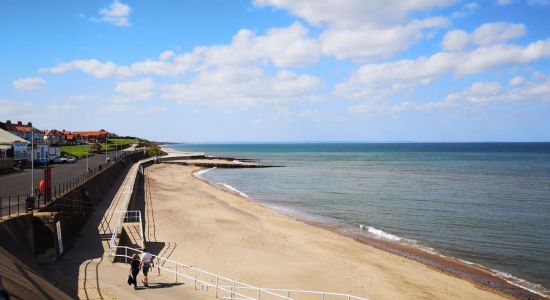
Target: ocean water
483, 203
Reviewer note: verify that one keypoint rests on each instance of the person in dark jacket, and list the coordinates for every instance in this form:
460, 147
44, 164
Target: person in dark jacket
134, 269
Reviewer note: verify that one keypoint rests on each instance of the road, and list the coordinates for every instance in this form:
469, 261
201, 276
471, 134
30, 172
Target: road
20, 183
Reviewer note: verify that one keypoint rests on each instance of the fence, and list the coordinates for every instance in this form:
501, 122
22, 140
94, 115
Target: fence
223, 287
13, 205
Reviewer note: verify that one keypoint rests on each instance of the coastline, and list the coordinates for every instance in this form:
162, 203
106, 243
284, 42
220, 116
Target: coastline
477, 275
480, 276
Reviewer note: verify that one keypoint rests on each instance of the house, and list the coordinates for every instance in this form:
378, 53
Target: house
100, 136
21, 130
54, 137
32, 135
12, 148
70, 138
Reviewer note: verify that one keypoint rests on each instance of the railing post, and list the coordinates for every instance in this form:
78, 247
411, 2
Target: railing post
258, 296
217, 286
9, 206
288, 296
125, 255
18, 204
233, 290
1, 204
349, 297
323, 295
176, 272
195, 279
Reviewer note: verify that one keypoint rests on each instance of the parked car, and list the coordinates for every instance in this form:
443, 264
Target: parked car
41, 162
60, 160
71, 159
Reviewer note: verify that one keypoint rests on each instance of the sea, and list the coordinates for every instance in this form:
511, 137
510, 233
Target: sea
486, 204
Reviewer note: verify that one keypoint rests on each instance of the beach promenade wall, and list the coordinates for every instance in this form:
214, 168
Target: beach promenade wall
27, 240
73, 209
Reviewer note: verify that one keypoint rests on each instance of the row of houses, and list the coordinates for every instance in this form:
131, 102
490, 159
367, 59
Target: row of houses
54, 136
16, 140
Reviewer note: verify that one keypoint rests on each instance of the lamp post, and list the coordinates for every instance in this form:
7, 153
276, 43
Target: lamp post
87, 154
32, 162
105, 150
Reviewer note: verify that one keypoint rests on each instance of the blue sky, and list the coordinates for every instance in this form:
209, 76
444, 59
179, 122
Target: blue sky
280, 70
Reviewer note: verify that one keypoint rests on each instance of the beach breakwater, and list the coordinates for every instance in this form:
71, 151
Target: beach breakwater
44, 236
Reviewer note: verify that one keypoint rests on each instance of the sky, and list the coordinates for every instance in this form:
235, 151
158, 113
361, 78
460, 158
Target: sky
280, 70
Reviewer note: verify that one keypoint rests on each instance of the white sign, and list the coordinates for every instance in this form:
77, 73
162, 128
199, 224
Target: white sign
59, 239
20, 150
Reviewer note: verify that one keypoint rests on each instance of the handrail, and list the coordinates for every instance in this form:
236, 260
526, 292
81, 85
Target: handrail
215, 278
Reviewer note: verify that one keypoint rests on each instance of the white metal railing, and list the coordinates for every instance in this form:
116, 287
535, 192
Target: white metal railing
224, 287
126, 217
227, 288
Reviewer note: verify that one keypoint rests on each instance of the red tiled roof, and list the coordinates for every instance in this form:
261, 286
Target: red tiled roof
91, 133
20, 128
69, 136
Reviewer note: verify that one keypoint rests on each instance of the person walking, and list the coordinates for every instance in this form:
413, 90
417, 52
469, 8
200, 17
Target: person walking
134, 269
146, 264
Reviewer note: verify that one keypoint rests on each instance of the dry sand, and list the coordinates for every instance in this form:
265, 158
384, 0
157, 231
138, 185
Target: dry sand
215, 230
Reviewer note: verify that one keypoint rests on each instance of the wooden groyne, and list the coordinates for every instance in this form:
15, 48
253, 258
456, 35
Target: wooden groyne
213, 161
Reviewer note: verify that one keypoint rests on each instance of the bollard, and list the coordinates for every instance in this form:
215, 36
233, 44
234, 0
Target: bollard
176, 273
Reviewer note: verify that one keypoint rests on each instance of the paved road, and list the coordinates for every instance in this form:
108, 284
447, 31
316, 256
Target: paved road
20, 183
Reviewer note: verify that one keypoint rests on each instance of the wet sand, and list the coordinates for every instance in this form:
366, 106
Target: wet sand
227, 234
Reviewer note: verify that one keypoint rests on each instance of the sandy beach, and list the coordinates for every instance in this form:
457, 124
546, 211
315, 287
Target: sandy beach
227, 234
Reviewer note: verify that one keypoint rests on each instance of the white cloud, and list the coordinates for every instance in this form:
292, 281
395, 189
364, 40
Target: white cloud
117, 13
516, 81
455, 40
378, 81
466, 10
19, 110
353, 13
166, 55
245, 87
138, 89
364, 30
366, 43
283, 47
129, 109
491, 33
478, 94
28, 84
486, 34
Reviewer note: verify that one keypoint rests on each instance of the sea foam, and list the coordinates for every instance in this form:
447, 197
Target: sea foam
382, 234
227, 186
202, 172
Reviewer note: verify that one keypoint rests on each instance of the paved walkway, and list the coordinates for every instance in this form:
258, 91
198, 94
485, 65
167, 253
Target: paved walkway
86, 271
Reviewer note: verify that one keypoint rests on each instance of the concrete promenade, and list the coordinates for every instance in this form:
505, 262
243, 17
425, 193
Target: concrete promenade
86, 271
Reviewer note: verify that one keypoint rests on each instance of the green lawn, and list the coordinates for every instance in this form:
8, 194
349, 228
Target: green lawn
112, 145
76, 151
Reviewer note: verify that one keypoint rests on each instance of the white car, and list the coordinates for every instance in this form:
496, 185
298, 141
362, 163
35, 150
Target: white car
71, 159
60, 160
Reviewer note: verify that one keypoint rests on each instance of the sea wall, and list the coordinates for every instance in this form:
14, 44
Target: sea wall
27, 240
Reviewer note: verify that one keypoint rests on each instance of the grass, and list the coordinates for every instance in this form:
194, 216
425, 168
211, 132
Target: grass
76, 151
79, 151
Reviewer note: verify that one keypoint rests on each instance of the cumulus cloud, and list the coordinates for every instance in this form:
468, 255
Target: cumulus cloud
364, 30
455, 40
478, 94
379, 81
486, 34
138, 89
283, 47
366, 43
117, 13
491, 33
28, 84
245, 87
